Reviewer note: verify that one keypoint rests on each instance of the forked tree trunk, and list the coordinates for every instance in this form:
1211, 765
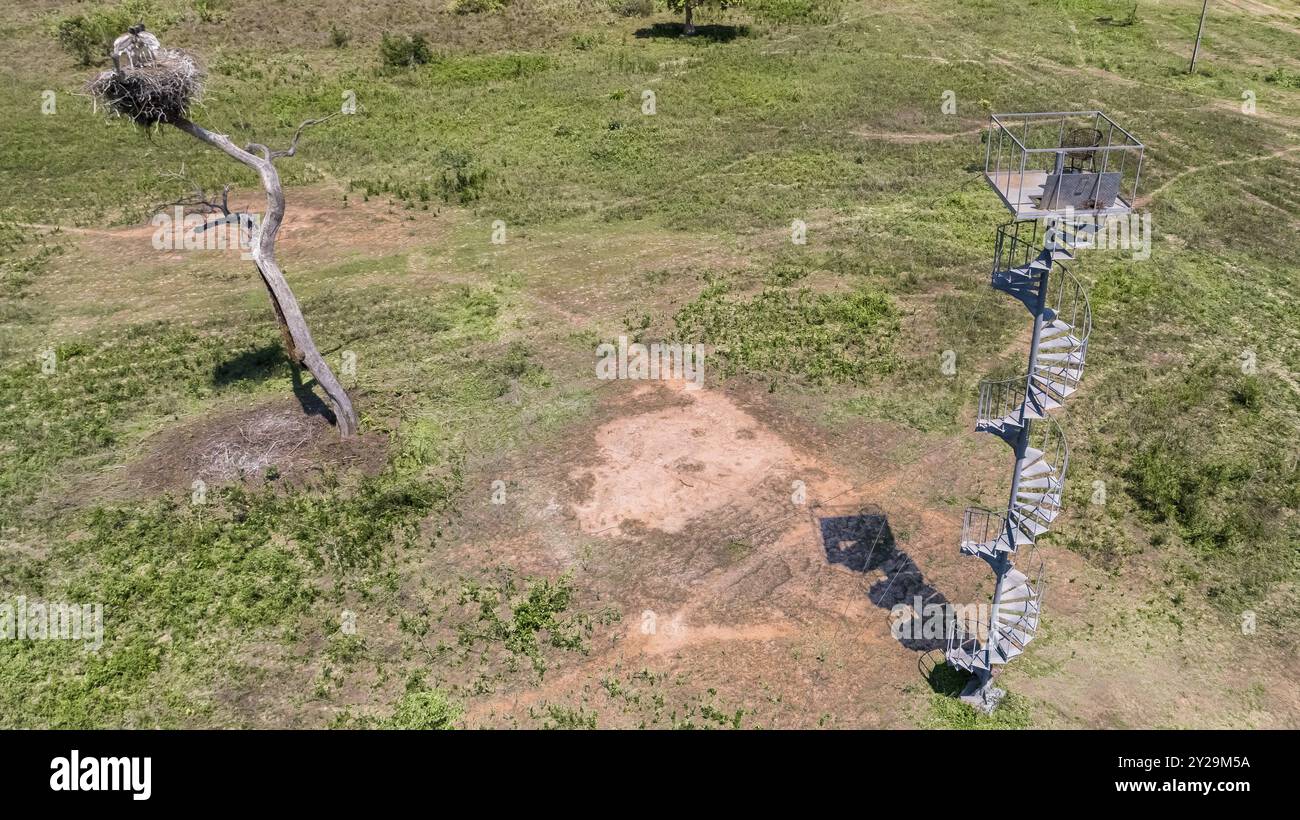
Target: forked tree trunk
690, 23
293, 327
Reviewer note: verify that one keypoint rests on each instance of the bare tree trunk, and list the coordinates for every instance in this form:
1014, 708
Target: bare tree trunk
690, 23
293, 327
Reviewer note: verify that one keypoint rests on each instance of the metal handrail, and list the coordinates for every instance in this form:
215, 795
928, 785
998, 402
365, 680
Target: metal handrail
1037, 586
1079, 304
1015, 249
1048, 436
1044, 115
998, 398
997, 167
981, 520
965, 636
1003, 127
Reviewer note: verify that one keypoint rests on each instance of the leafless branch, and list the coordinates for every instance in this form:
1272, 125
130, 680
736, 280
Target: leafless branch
198, 200
268, 154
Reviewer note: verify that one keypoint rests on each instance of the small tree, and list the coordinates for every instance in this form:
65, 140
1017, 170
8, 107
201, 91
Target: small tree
152, 86
689, 6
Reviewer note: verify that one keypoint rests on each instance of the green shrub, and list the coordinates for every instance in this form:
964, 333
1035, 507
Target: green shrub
338, 37
476, 6
401, 51
1280, 76
423, 709
89, 36
79, 37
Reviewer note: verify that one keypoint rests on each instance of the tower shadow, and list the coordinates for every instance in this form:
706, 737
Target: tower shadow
861, 540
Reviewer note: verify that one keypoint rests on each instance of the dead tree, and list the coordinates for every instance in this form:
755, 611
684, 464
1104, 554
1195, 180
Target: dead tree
159, 85
293, 327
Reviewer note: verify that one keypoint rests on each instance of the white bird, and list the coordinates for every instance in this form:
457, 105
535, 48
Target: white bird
138, 46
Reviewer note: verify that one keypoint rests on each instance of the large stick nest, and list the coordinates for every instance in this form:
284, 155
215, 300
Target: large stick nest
160, 89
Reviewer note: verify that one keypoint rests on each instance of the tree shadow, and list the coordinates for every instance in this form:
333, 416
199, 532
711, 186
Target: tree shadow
257, 364
863, 542
714, 33
265, 362
312, 405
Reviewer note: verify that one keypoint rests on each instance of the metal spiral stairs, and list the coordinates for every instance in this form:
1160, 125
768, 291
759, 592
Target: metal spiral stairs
1030, 267
1061, 174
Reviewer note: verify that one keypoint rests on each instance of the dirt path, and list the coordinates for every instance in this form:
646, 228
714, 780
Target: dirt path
1144, 201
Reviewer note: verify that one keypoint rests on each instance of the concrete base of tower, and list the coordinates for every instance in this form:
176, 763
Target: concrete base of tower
982, 695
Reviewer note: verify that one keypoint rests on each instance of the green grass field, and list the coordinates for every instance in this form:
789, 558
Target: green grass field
474, 359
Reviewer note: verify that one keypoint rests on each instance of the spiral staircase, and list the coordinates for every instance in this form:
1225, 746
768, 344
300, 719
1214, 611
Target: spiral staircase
1030, 267
1061, 174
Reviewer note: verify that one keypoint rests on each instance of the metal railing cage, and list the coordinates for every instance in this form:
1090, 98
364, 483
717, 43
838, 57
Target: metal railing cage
1060, 162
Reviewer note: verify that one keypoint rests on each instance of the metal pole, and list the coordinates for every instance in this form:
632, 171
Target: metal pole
1199, 29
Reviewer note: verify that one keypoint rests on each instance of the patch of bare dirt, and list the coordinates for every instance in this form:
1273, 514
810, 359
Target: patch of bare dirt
741, 553
278, 439
664, 468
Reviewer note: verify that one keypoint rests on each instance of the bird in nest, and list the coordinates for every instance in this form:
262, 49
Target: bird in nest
137, 47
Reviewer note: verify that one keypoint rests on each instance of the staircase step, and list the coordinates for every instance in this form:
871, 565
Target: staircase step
1023, 608
1023, 627
1005, 651
1023, 292
1034, 495
985, 548
1011, 420
975, 548
1059, 342
1034, 528
1053, 328
1018, 593
966, 660
1075, 359
1020, 539
1073, 374
1044, 514
1042, 483
1048, 503
1040, 400
1060, 389
1020, 637
1037, 468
